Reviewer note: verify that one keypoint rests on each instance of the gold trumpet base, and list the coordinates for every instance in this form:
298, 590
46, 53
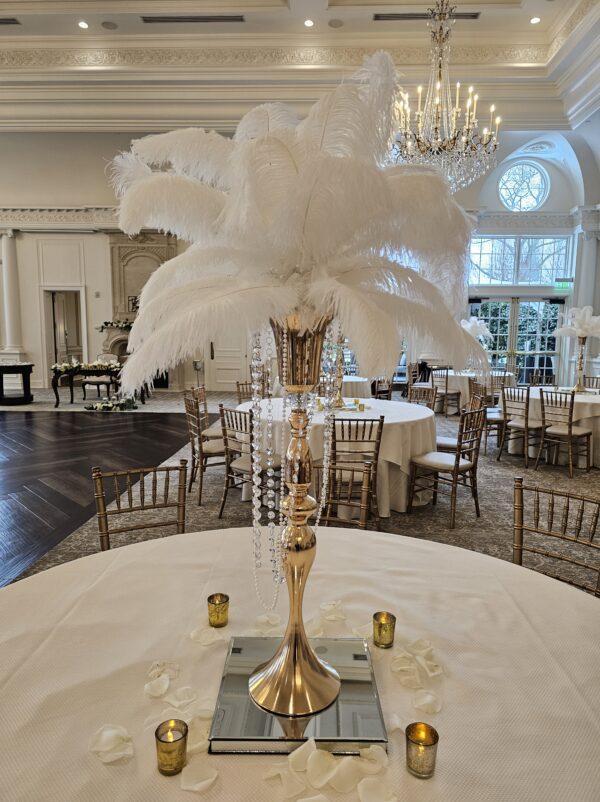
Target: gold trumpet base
295, 682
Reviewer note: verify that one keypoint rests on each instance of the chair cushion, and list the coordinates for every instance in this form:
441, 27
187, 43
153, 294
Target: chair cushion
213, 431
562, 430
213, 448
445, 443
243, 464
519, 423
441, 461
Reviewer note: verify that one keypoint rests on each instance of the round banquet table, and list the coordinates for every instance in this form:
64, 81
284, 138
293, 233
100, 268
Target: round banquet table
408, 430
521, 656
352, 386
458, 381
586, 413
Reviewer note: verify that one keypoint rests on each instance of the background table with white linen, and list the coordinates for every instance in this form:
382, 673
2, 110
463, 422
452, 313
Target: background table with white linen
458, 381
586, 413
408, 430
352, 386
521, 656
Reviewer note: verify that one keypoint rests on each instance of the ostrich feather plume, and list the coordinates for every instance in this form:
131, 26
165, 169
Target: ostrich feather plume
297, 216
476, 327
579, 322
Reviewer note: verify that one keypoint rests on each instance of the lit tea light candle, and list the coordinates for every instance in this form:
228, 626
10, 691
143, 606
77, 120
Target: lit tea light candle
421, 749
218, 610
171, 746
384, 625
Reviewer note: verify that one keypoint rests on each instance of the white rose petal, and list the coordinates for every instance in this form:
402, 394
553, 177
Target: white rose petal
314, 628
375, 789
299, 757
373, 759
198, 776
111, 742
429, 666
157, 687
198, 730
320, 768
332, 611
427, 701
394, 723
206, 636
420, 646
163, 667
347, 775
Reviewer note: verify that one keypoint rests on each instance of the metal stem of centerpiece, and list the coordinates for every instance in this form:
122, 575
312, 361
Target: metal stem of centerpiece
295, 682
579, 368
339, 373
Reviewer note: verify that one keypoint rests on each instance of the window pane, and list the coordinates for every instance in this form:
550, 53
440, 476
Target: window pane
492, 260
542, 260
523, 187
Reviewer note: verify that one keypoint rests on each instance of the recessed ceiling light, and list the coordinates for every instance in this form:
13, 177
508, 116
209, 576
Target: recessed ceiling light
109, 25
309, 23
83, 24
535, 20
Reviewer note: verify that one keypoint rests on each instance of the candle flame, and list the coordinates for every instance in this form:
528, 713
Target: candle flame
169, 736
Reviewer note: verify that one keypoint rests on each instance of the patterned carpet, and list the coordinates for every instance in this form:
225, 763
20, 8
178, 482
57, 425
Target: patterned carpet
491, 534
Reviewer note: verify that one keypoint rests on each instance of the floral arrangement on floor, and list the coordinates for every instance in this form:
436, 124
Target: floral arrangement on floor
116, 324
298, 215
112, 405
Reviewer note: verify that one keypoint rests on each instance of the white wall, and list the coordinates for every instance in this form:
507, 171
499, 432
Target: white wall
62, 261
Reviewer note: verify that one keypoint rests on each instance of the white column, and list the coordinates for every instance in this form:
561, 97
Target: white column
13, 340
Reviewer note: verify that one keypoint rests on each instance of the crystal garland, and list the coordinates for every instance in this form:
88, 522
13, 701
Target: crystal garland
261, 378
329, 372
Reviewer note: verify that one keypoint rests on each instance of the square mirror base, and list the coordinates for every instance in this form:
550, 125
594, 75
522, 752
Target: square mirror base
353, 722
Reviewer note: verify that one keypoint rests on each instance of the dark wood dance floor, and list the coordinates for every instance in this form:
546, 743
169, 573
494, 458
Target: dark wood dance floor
46, 459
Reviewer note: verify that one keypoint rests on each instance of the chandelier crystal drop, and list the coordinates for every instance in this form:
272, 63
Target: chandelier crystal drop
442, 133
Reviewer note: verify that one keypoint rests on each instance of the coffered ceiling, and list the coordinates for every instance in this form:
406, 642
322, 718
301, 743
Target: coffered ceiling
123, 74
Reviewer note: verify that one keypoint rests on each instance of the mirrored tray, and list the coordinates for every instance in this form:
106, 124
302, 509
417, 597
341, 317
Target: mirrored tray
354, 721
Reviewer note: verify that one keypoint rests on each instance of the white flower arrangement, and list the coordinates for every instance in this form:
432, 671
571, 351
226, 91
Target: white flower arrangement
126, 325
112, 405
65, 367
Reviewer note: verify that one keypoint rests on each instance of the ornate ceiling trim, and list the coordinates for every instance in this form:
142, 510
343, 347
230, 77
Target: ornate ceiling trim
254, 56
525, 222
77, 218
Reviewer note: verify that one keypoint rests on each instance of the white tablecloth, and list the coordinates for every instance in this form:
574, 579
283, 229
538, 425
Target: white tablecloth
459, 381
521, 656
353, 387
408, 430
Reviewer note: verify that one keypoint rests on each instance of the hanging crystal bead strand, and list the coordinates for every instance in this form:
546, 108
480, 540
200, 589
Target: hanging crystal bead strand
257, 373
270, 463
285, 438
329, 371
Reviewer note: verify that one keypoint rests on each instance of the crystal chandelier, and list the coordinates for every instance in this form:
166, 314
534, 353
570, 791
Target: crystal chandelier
440, 134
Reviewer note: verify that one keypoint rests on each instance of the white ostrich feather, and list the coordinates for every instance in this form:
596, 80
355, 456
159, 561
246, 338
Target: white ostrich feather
190, 151
306, 213
198, 262
237, 308
579, 322
476, 327
125, 170
265, 119
171, 203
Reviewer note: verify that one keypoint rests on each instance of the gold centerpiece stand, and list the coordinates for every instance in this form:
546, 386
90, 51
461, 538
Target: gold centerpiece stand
295, 687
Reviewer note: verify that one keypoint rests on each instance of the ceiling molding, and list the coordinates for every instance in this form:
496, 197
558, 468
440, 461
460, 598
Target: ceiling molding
72, 217
80, 7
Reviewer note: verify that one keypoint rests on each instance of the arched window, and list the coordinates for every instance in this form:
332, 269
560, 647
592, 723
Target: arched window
524, 187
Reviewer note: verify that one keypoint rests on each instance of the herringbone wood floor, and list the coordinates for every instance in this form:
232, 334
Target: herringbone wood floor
45, 472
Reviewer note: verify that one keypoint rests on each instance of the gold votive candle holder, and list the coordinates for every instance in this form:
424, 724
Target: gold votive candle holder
361, 407
218, 609
171, 746
421, 749
384, 625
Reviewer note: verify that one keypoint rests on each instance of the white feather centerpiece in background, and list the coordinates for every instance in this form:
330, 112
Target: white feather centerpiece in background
580, 323
476, 327
297, 216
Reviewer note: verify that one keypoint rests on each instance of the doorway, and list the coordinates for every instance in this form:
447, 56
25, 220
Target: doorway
521, 330
64, 340
226, 362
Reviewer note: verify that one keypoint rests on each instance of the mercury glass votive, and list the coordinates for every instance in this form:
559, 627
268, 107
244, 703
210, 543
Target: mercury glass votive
171, 746
384, 625
361, 407
421, 749
218, 609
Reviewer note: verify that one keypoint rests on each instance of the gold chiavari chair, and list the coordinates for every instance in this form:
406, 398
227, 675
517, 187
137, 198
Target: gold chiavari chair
244, 391
210, 431
383, 388
140, 490
542, 378
425, 396
592, 382
558, 429
497, 383
517, 426
429, 471
356, 441
412, 374
439, 380
494, 418
444, 443
202, 450
341, 496
569, 522
238, 436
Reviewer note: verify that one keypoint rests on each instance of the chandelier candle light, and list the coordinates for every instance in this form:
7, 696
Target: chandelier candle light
303, 224
439, 133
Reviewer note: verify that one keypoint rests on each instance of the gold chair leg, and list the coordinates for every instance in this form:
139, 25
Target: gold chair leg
435, 488
411, 487
453, 502
540, 449
588, 448
225, 491
202, 468
475, 494
570, 450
